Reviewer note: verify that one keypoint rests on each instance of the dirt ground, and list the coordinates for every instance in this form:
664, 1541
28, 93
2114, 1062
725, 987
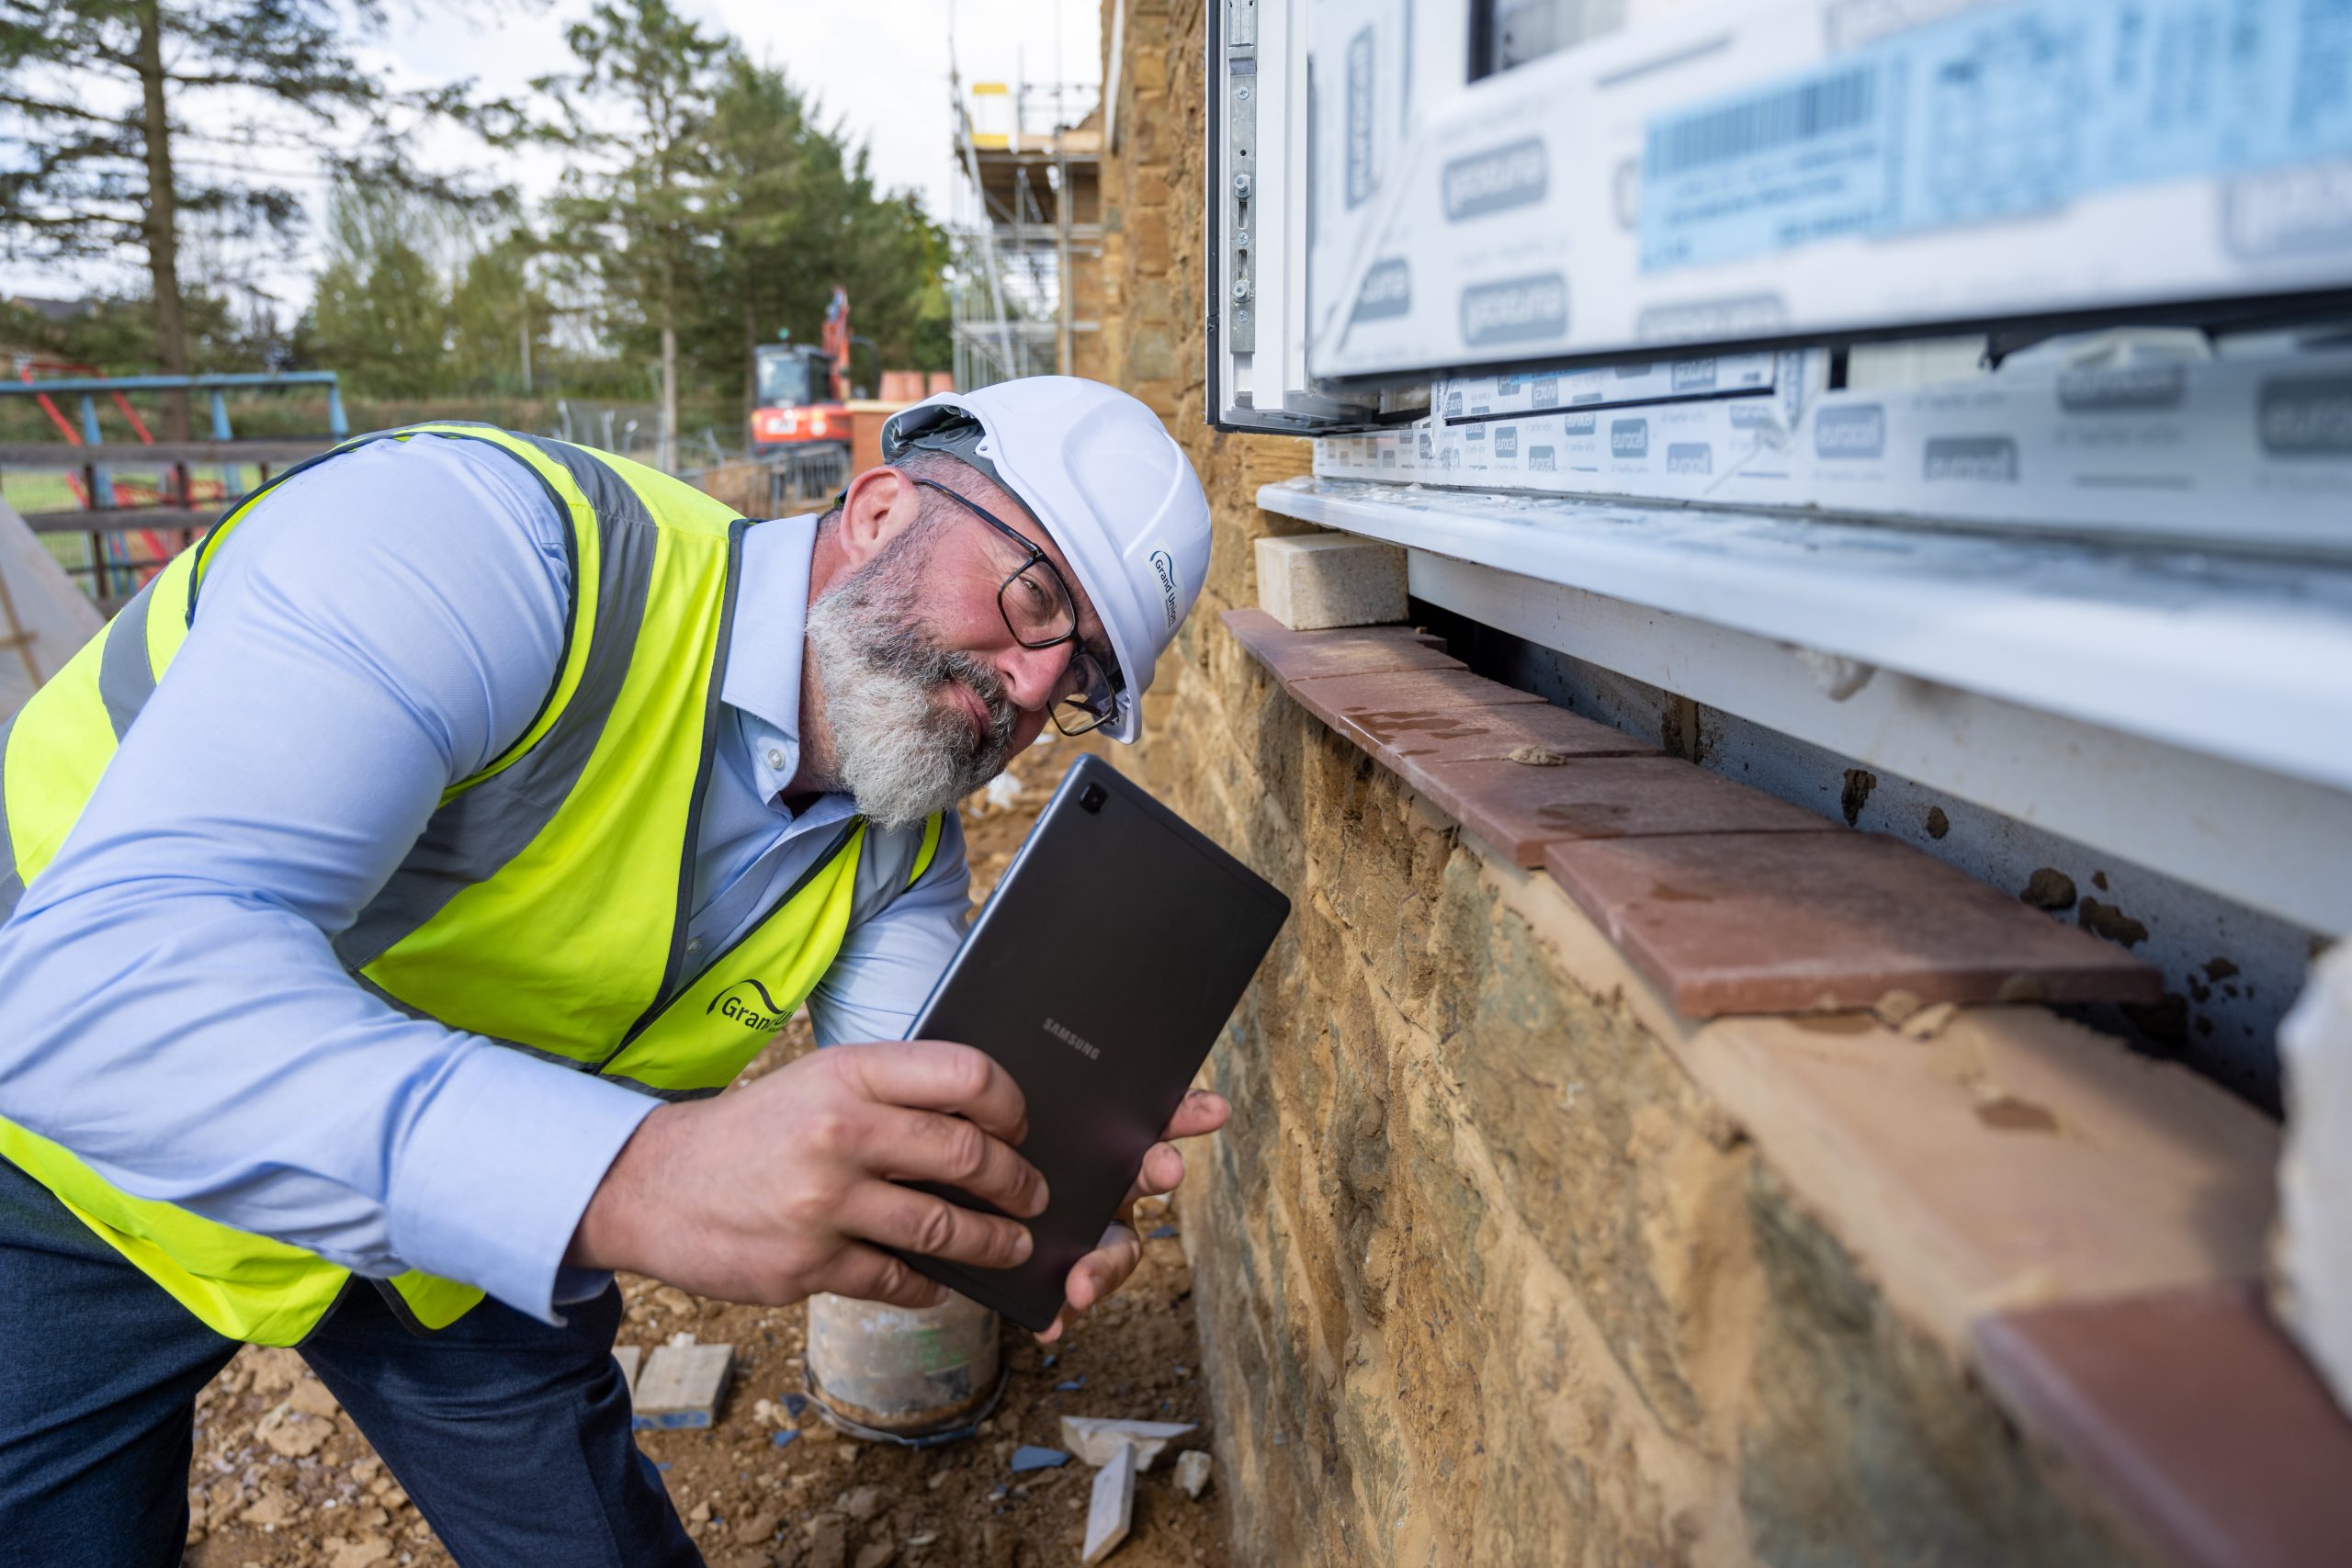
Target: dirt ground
281, 1479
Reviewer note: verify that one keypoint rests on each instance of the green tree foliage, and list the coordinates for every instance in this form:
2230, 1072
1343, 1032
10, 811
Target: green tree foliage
634, 197
795, 210
102, 97
380, 314
412, 302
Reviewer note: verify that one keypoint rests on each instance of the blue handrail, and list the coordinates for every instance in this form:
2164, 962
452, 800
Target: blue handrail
87, 387
95, 455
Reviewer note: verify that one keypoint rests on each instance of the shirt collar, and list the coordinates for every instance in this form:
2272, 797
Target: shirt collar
763, 649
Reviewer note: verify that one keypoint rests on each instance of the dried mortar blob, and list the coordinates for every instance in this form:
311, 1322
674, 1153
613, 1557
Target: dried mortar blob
1538, 756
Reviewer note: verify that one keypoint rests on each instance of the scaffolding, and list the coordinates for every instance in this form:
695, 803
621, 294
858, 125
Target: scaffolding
1028, 231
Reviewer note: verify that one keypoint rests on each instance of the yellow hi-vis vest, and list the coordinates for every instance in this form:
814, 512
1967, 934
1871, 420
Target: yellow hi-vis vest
545, 904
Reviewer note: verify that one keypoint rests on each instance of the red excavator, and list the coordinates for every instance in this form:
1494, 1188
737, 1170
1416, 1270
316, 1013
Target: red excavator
803, 388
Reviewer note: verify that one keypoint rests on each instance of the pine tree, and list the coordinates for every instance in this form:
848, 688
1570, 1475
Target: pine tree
631, 204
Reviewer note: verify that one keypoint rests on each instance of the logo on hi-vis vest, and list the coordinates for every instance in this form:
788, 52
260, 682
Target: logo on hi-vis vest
748, 1003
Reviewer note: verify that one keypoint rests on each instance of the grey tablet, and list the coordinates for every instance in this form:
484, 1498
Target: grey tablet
1098, 974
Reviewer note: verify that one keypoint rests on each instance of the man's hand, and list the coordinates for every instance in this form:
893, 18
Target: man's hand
1100, 1272
768, 1194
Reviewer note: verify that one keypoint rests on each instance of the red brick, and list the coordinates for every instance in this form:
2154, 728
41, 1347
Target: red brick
1777, 922
2204, 1429
1369, 709
1292, 656
1492, 733
1518, 808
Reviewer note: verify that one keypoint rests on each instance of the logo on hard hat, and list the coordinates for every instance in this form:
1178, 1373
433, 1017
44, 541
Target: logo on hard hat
1165, 565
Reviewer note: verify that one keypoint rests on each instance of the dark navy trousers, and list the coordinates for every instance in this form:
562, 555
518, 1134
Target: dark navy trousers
511, 1437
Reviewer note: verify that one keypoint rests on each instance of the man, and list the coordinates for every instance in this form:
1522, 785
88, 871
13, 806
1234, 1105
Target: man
372, 886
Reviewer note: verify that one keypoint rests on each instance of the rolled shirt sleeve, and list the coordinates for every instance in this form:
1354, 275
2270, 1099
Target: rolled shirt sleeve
171, 1008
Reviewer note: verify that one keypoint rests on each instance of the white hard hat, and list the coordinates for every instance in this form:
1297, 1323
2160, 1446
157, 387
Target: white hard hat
1106, 481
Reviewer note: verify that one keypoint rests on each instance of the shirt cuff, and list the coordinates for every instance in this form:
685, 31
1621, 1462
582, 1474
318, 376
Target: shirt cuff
497, 1171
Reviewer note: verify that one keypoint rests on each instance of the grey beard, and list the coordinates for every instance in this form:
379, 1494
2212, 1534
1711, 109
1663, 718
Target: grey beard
900, 750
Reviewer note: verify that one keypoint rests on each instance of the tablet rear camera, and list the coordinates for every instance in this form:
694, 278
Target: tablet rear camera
1092, 797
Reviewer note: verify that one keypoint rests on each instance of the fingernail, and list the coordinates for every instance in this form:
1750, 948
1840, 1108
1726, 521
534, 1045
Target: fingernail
1021, 1248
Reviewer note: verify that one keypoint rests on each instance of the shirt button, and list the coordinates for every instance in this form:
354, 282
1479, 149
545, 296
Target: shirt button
775, 759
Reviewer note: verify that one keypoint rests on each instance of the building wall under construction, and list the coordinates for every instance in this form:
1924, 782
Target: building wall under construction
1483, 1275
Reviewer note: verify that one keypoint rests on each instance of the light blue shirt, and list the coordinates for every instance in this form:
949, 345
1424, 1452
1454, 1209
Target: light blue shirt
170, 1007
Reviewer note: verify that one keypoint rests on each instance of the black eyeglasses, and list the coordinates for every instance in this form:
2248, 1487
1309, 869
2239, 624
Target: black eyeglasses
1040, 611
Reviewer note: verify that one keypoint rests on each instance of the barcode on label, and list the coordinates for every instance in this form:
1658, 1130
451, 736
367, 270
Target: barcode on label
1765, 124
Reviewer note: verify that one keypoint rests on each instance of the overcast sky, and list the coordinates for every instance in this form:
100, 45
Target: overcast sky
879, 69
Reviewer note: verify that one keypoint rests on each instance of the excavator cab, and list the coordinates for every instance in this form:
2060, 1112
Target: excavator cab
796, 404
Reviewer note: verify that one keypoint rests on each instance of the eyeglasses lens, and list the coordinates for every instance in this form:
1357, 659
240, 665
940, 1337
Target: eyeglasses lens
1036, 607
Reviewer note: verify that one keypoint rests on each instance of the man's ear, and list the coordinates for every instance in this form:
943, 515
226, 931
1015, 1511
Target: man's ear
879, 505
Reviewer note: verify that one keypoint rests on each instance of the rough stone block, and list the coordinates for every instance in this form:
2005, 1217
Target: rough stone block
680, 1385
1787, 922
1312, 581
1109, 1511
1192, 1472
628, 1356
1518, 809
2195, 1417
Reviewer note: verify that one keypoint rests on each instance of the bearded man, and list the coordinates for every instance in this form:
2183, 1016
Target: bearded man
370, 886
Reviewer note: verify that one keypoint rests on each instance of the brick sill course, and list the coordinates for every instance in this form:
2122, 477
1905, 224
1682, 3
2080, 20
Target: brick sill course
2083, 1226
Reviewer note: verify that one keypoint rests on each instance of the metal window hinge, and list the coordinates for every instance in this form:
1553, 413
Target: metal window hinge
1240, 196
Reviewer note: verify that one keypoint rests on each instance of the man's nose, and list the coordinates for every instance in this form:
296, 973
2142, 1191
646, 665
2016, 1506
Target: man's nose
1030, 674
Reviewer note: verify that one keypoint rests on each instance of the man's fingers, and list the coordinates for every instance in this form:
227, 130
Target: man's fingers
937, 1075
917, 1222
1105, 1268
1203, 1111
865, 1275
1162, 1172
924, 1145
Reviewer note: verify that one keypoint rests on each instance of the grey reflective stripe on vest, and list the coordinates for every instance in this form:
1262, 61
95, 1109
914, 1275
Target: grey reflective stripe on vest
479, 830
12, 886
886, 863
126, 679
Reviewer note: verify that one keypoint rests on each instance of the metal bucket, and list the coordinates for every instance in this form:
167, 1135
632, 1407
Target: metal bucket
895, 1374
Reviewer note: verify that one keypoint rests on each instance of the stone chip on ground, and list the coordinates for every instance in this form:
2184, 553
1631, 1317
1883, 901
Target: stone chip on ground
290, 1432
1192, 1472
828, 1542
1110, 1512
876, 1554
1098, 1441
864, 1503
312, 1398
363, 1553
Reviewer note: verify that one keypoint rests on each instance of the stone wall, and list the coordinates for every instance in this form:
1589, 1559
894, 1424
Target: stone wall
1484, 1275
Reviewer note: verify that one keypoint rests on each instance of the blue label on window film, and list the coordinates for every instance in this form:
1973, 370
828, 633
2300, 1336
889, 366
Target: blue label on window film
1998, 113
